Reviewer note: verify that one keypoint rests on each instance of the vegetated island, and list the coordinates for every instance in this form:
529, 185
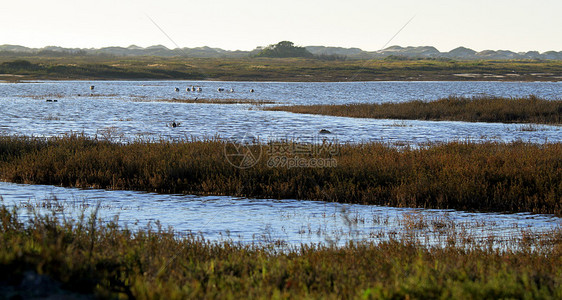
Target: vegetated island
48, 257
510, 177
529, 109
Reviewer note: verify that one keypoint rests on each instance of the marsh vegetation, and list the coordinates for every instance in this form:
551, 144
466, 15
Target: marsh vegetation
514, 177
474, 109
208, 101
89, 257
274, 69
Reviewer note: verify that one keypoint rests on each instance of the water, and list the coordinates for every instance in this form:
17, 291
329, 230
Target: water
124, 110
114, 110
286, 92
290, 222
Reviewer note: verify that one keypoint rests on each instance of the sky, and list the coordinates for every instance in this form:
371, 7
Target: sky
517, 25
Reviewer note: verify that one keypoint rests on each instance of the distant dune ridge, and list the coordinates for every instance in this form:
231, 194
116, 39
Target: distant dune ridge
460, 53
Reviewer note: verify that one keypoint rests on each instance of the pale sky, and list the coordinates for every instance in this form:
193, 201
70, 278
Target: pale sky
517, 25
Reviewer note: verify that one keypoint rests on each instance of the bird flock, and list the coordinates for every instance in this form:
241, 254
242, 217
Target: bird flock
200, 89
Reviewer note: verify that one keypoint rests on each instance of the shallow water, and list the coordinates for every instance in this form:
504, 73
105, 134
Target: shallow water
124, 110
292, 222
112, 109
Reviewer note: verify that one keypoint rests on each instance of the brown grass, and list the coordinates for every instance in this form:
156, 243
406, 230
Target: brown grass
477, 109
511, 177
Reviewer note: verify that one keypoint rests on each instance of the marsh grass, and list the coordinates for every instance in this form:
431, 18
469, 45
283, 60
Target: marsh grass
476, 109
51, 117
399, 124
59, 96
43, 97
531, 128
513, 177
210, 101
85, 256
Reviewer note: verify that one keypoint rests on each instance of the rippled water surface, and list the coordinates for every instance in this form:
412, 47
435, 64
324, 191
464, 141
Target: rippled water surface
113, 107
128, 109
265, 220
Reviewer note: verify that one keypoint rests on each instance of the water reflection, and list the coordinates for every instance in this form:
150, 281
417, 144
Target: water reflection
289, 222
